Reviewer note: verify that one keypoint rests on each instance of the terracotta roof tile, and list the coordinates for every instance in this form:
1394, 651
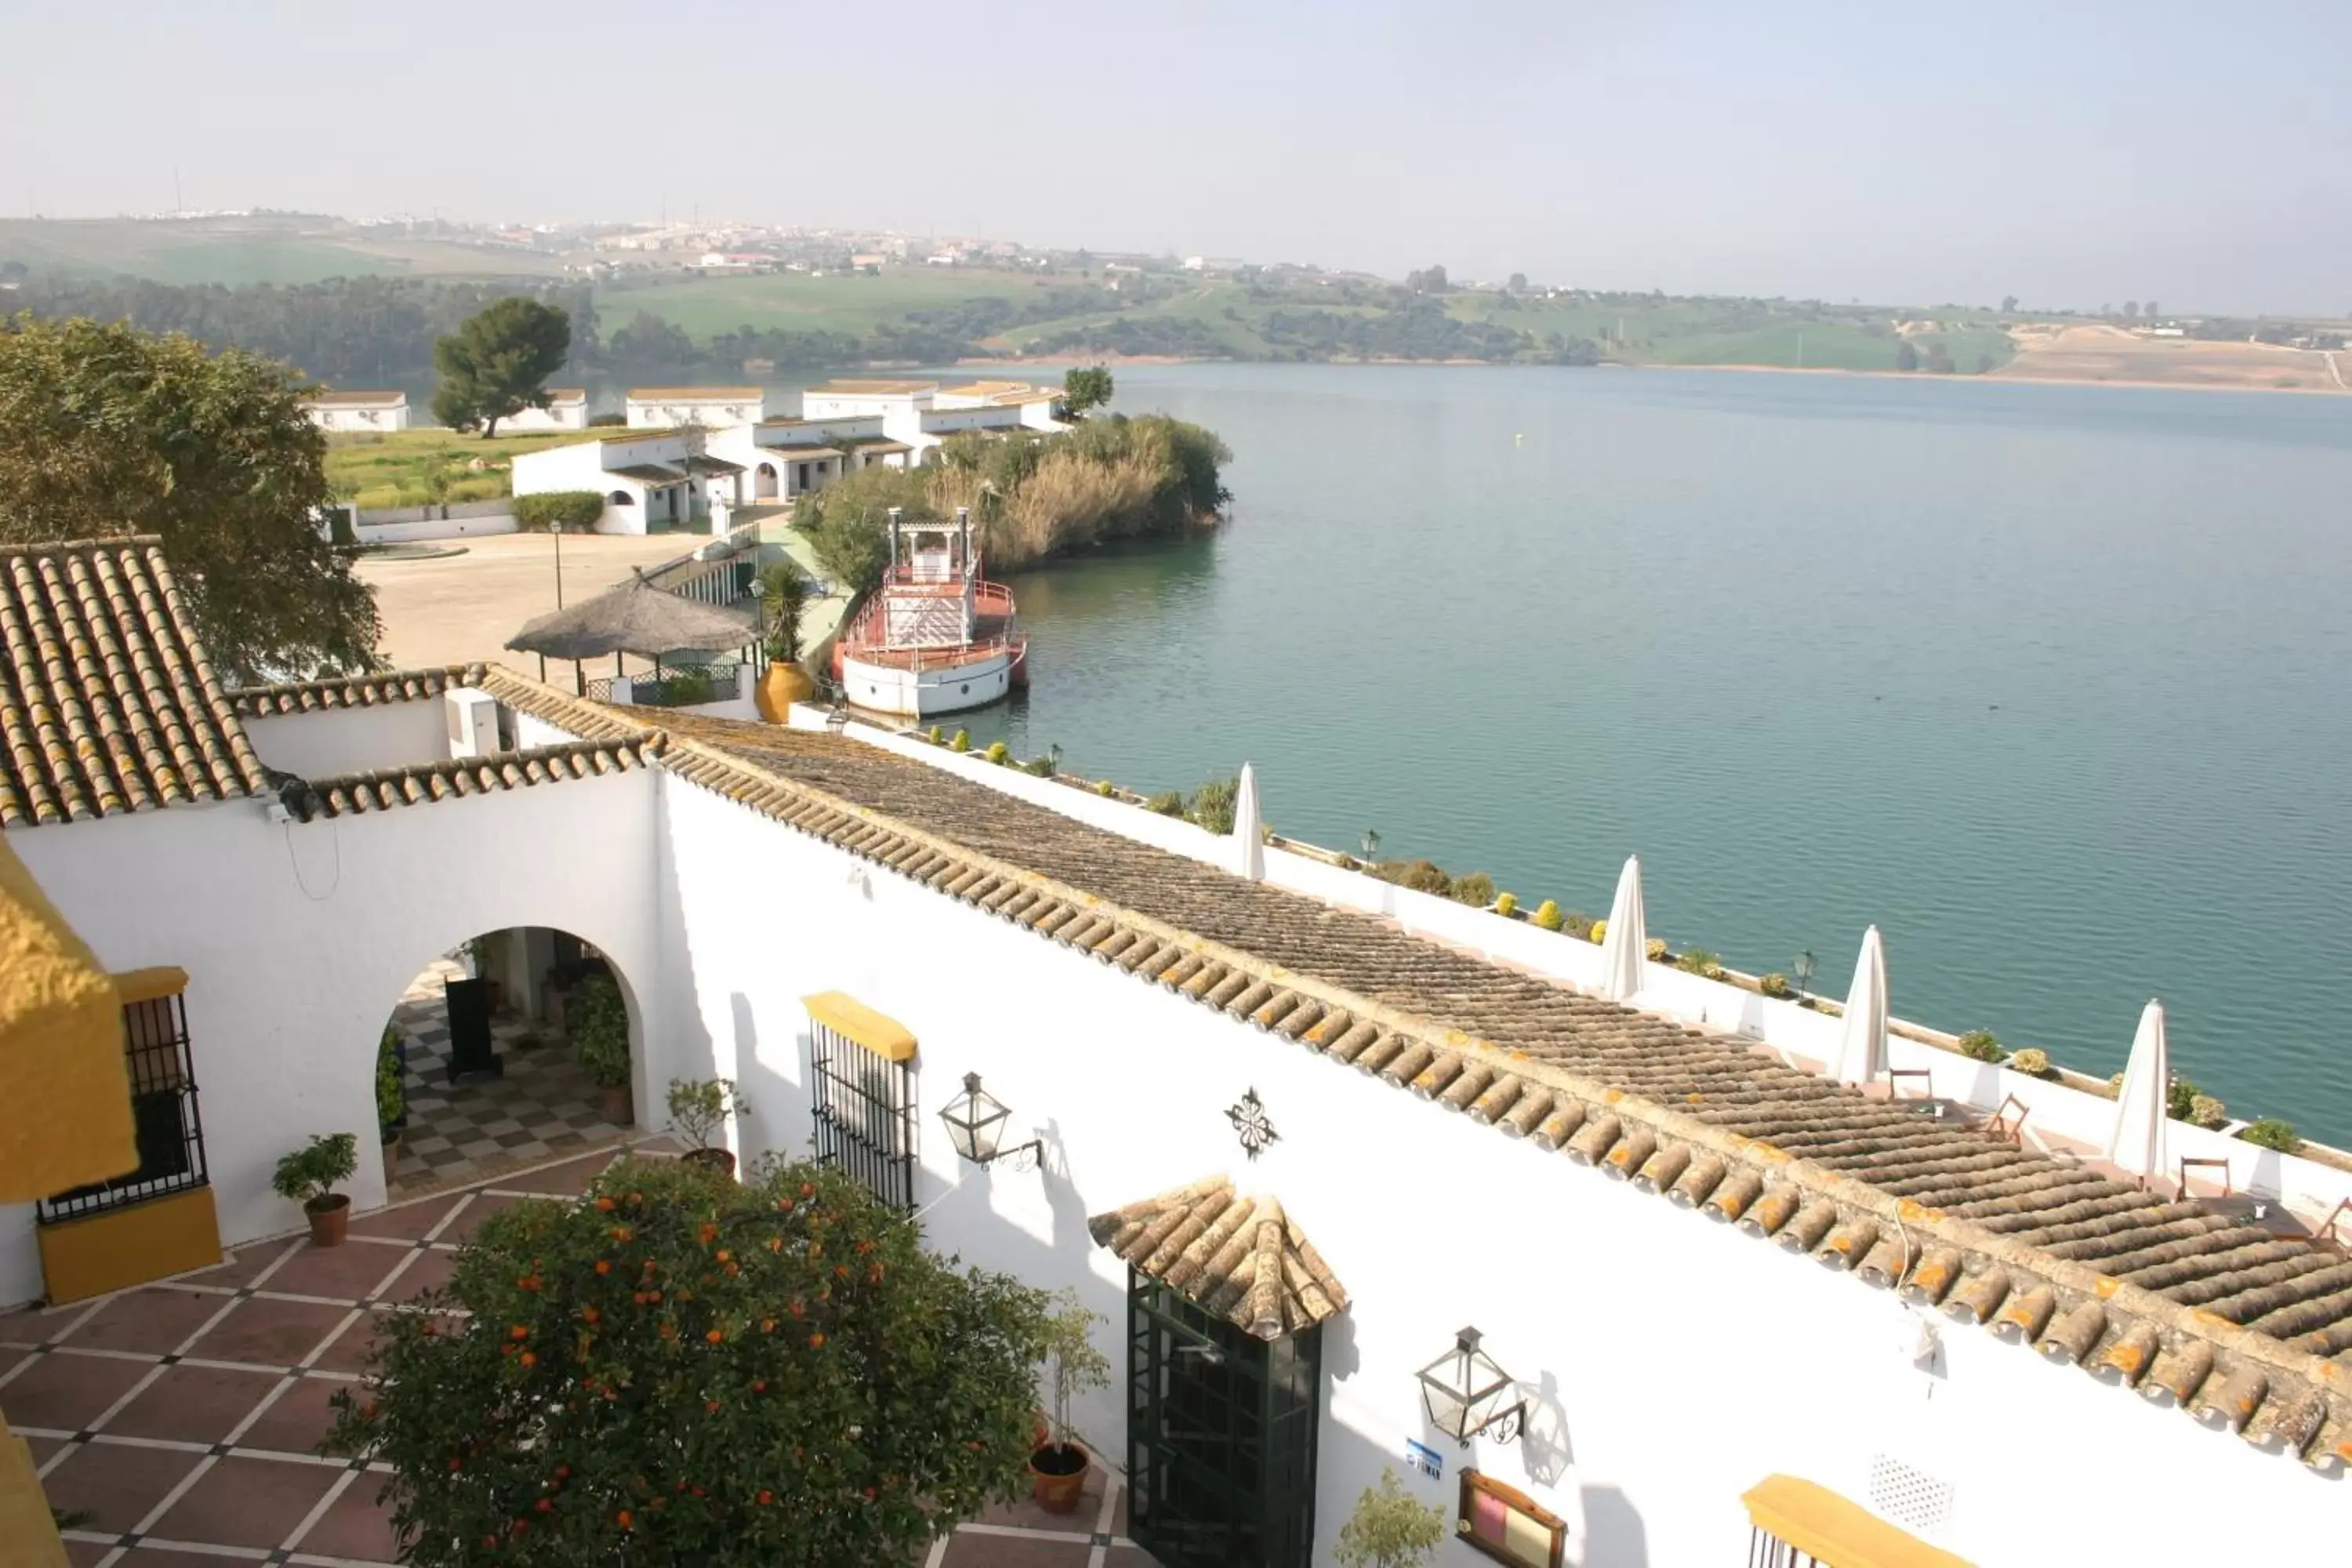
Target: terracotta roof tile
1242, 1259
108, 703
354, 691
2000, 1237
383, 789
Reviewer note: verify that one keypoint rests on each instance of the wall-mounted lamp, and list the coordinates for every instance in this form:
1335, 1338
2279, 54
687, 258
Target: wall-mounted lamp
1466, 1392
976, 1121
1372, 842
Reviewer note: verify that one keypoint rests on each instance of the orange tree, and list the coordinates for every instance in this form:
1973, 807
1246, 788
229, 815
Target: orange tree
681, 1368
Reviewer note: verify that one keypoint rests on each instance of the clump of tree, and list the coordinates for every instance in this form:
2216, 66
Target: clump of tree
106, 431
849, 521
1030, 497
1085, 389
685, 1370
496, 364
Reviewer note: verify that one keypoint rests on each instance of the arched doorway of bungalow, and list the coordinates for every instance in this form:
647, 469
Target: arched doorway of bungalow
763, 482
489, 1044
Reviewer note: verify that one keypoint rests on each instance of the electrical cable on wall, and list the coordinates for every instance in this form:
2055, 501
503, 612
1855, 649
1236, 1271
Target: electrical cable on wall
334, 836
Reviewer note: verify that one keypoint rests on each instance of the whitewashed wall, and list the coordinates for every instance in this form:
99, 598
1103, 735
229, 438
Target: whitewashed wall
1673, 1361
350, 740
299, 938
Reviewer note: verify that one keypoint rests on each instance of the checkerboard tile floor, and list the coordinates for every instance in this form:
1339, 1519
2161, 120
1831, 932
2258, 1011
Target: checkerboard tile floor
185, 1419
545, 1108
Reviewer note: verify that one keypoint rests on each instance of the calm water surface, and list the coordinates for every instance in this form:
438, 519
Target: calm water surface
2049, 683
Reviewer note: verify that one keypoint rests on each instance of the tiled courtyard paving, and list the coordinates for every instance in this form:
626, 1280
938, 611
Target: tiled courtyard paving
542, 1108
185, 1417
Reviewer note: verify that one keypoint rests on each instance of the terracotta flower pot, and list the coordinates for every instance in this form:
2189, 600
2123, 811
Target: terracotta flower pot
718, 1161
780, 687
615, 1104
331, 1218
1058, 1477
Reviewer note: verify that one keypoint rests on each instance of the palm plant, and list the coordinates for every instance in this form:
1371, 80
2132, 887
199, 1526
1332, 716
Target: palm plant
783, 597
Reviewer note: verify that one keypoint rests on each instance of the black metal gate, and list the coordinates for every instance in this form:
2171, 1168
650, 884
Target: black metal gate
1220, 1433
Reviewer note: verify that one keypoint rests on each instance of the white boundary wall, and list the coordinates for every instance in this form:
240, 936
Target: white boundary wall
1671, 1362
2055, 1110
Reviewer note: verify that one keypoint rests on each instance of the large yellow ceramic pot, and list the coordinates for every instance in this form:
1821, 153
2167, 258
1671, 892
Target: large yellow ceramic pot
779, 688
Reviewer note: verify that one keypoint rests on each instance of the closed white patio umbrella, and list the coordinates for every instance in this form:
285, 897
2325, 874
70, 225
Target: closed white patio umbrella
1249, 829
1861, 1050
2143, 1108
1625, 945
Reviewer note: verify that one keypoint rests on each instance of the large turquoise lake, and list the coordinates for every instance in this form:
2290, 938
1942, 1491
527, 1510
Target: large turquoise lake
2049, 683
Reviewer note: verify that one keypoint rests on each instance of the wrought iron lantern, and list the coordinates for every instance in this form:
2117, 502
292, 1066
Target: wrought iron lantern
1371, 843
976, 1121
1466, 1393
1804, 971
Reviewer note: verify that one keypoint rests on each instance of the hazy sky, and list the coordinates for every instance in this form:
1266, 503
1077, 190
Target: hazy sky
2068, 152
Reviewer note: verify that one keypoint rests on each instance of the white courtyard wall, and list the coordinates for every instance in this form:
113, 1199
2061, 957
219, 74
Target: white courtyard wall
1671, 1362
349, 739
298, 939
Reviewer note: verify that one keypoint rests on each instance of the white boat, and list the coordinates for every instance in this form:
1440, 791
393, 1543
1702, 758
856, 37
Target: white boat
935, 637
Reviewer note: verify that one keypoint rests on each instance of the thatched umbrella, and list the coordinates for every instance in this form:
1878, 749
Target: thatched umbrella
635, 618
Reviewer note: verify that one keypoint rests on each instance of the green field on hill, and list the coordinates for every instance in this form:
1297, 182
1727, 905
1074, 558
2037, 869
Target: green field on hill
794, 302
932, 315
243, 250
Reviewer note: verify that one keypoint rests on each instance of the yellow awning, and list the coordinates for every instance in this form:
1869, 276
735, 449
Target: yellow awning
1821, 1525
65, 1099
884, 1036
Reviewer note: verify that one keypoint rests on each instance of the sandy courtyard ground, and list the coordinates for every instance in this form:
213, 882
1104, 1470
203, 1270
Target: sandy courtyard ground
463, 607
2099, 353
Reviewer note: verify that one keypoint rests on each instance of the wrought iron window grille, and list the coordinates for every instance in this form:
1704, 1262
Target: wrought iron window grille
862, 1106
169, 1134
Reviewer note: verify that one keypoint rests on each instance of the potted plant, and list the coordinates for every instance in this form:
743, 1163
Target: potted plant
307, 1176
698, 1110
1057, 1467
477, 955
391, 1096
1389, 1528
783, 596
600, 1028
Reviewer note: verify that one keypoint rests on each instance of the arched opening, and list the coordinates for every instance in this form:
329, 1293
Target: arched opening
620, 497
763, 482
505, 1052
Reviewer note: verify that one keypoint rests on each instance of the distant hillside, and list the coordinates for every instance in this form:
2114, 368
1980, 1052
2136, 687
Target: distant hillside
262, 248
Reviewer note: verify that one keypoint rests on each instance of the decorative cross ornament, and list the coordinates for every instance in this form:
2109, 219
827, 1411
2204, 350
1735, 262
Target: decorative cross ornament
1249, 1118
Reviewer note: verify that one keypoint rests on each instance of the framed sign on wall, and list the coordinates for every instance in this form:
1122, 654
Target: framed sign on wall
1506, 1524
